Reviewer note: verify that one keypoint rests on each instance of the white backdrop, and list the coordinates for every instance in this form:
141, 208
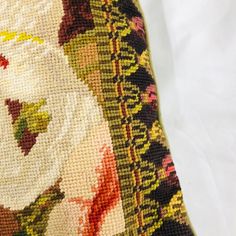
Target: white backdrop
193, 45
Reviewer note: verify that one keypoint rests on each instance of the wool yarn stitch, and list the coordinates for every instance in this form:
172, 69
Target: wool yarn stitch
83, 149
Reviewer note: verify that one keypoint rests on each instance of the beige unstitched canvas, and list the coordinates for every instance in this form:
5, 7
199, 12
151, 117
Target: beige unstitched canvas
83, 151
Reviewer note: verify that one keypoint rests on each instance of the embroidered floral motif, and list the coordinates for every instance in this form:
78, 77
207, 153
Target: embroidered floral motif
83, 148
3, 62
28, 122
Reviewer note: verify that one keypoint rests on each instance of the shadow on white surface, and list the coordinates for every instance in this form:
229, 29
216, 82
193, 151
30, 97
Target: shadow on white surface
194, 55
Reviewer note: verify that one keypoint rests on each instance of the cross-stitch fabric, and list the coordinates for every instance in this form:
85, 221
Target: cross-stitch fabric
83, 150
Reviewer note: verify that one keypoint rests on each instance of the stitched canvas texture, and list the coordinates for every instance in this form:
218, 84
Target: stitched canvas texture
83, 149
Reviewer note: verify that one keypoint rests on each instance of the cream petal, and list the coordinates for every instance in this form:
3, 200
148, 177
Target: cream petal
79, 174
35, 72
66, 219
40, 18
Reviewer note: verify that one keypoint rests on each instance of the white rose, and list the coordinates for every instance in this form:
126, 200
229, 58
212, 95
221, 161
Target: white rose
36, 72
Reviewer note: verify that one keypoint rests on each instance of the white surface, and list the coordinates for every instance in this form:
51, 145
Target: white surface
193, 45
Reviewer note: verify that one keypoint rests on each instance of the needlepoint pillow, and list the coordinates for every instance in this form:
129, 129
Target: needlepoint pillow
83, 151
